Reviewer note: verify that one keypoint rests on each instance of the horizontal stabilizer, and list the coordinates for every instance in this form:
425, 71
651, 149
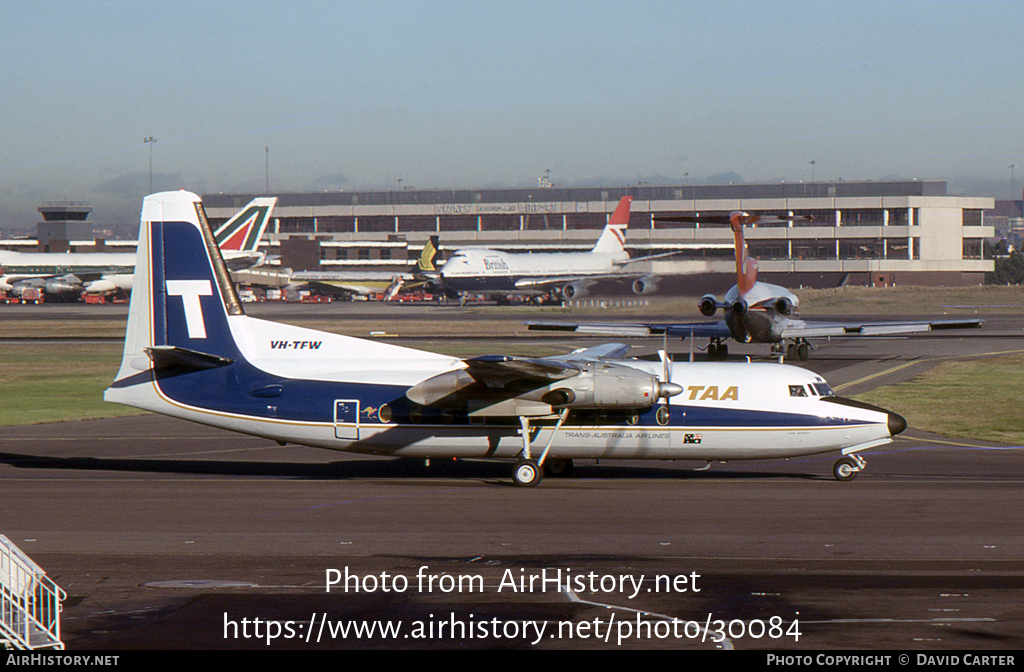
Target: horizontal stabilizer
173, 357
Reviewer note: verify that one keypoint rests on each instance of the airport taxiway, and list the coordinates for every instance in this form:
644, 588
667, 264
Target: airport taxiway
162, 531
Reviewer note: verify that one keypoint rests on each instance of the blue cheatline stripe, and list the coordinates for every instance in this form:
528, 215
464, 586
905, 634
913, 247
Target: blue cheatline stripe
242, 389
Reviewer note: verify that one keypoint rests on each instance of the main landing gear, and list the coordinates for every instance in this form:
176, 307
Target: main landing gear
529, 472
846, 468
799, 349
718, 351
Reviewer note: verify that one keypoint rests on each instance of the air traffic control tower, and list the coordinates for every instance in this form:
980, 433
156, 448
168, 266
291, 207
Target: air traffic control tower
63, 222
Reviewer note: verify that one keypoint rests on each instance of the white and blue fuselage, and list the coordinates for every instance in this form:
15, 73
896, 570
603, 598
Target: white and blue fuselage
191, 353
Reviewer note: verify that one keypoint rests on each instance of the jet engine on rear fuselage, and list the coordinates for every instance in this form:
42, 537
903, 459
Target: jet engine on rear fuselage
784, 305
708, 305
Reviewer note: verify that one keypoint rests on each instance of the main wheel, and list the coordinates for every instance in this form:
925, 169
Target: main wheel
526, 474
557, 467
845, 469
803, 352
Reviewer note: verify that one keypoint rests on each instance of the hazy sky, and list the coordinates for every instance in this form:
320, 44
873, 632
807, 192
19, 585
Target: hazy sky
355, 95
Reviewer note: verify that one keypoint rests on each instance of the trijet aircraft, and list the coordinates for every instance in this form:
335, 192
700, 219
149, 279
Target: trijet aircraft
755, 312
191, 352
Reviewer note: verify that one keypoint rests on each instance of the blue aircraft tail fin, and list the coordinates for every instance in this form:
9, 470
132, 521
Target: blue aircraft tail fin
182, 294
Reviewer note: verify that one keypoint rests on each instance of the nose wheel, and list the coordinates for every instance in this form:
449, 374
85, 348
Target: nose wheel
847, 468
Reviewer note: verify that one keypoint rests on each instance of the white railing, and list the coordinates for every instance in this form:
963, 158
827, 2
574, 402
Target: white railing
30, 603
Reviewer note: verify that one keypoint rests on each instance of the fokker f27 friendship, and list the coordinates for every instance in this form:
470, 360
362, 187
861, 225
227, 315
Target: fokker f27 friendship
755, 312
191, 352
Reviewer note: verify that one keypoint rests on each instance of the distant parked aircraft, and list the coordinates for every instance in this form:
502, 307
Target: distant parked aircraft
363, 283
756, 312
570, 274
71, 273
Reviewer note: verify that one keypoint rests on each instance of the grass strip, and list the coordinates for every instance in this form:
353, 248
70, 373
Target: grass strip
969, 399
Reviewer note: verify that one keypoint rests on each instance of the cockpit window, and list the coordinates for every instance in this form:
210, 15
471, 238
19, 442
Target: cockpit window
797, 391
824, 390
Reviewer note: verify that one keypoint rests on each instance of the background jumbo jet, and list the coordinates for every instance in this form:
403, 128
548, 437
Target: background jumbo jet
756, 312
364, 283
191, 352
100, 272
493, 272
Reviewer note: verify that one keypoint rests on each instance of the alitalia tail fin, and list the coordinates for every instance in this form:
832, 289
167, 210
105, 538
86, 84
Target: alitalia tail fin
244, 231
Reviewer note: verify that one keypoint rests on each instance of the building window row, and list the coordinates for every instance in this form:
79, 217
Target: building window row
588, 221
831, 249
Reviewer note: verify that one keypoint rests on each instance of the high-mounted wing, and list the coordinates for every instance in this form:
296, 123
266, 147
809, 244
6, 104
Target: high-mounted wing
500, 385
604, 351
497, 371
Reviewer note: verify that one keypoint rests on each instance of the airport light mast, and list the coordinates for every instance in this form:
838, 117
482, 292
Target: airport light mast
150, 141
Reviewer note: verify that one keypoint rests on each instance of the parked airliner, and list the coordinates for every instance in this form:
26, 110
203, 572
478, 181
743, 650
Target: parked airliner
566, 274
191, 352
756, 312
101, 272
364, 283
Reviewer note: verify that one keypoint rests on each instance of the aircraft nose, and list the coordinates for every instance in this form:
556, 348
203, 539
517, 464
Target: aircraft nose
897, 423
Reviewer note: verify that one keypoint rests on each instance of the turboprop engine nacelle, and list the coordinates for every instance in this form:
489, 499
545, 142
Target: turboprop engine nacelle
597, 387
708, 305
606, 387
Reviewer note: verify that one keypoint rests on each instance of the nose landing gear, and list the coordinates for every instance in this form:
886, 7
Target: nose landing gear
846, 468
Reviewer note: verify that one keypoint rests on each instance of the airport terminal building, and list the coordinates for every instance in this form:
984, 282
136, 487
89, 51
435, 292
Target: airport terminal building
867, 233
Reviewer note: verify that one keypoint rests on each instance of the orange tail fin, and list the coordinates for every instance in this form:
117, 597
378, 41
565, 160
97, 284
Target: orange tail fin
746, 267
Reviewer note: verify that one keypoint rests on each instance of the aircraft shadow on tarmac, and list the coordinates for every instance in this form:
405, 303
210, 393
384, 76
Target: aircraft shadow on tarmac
393, 468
